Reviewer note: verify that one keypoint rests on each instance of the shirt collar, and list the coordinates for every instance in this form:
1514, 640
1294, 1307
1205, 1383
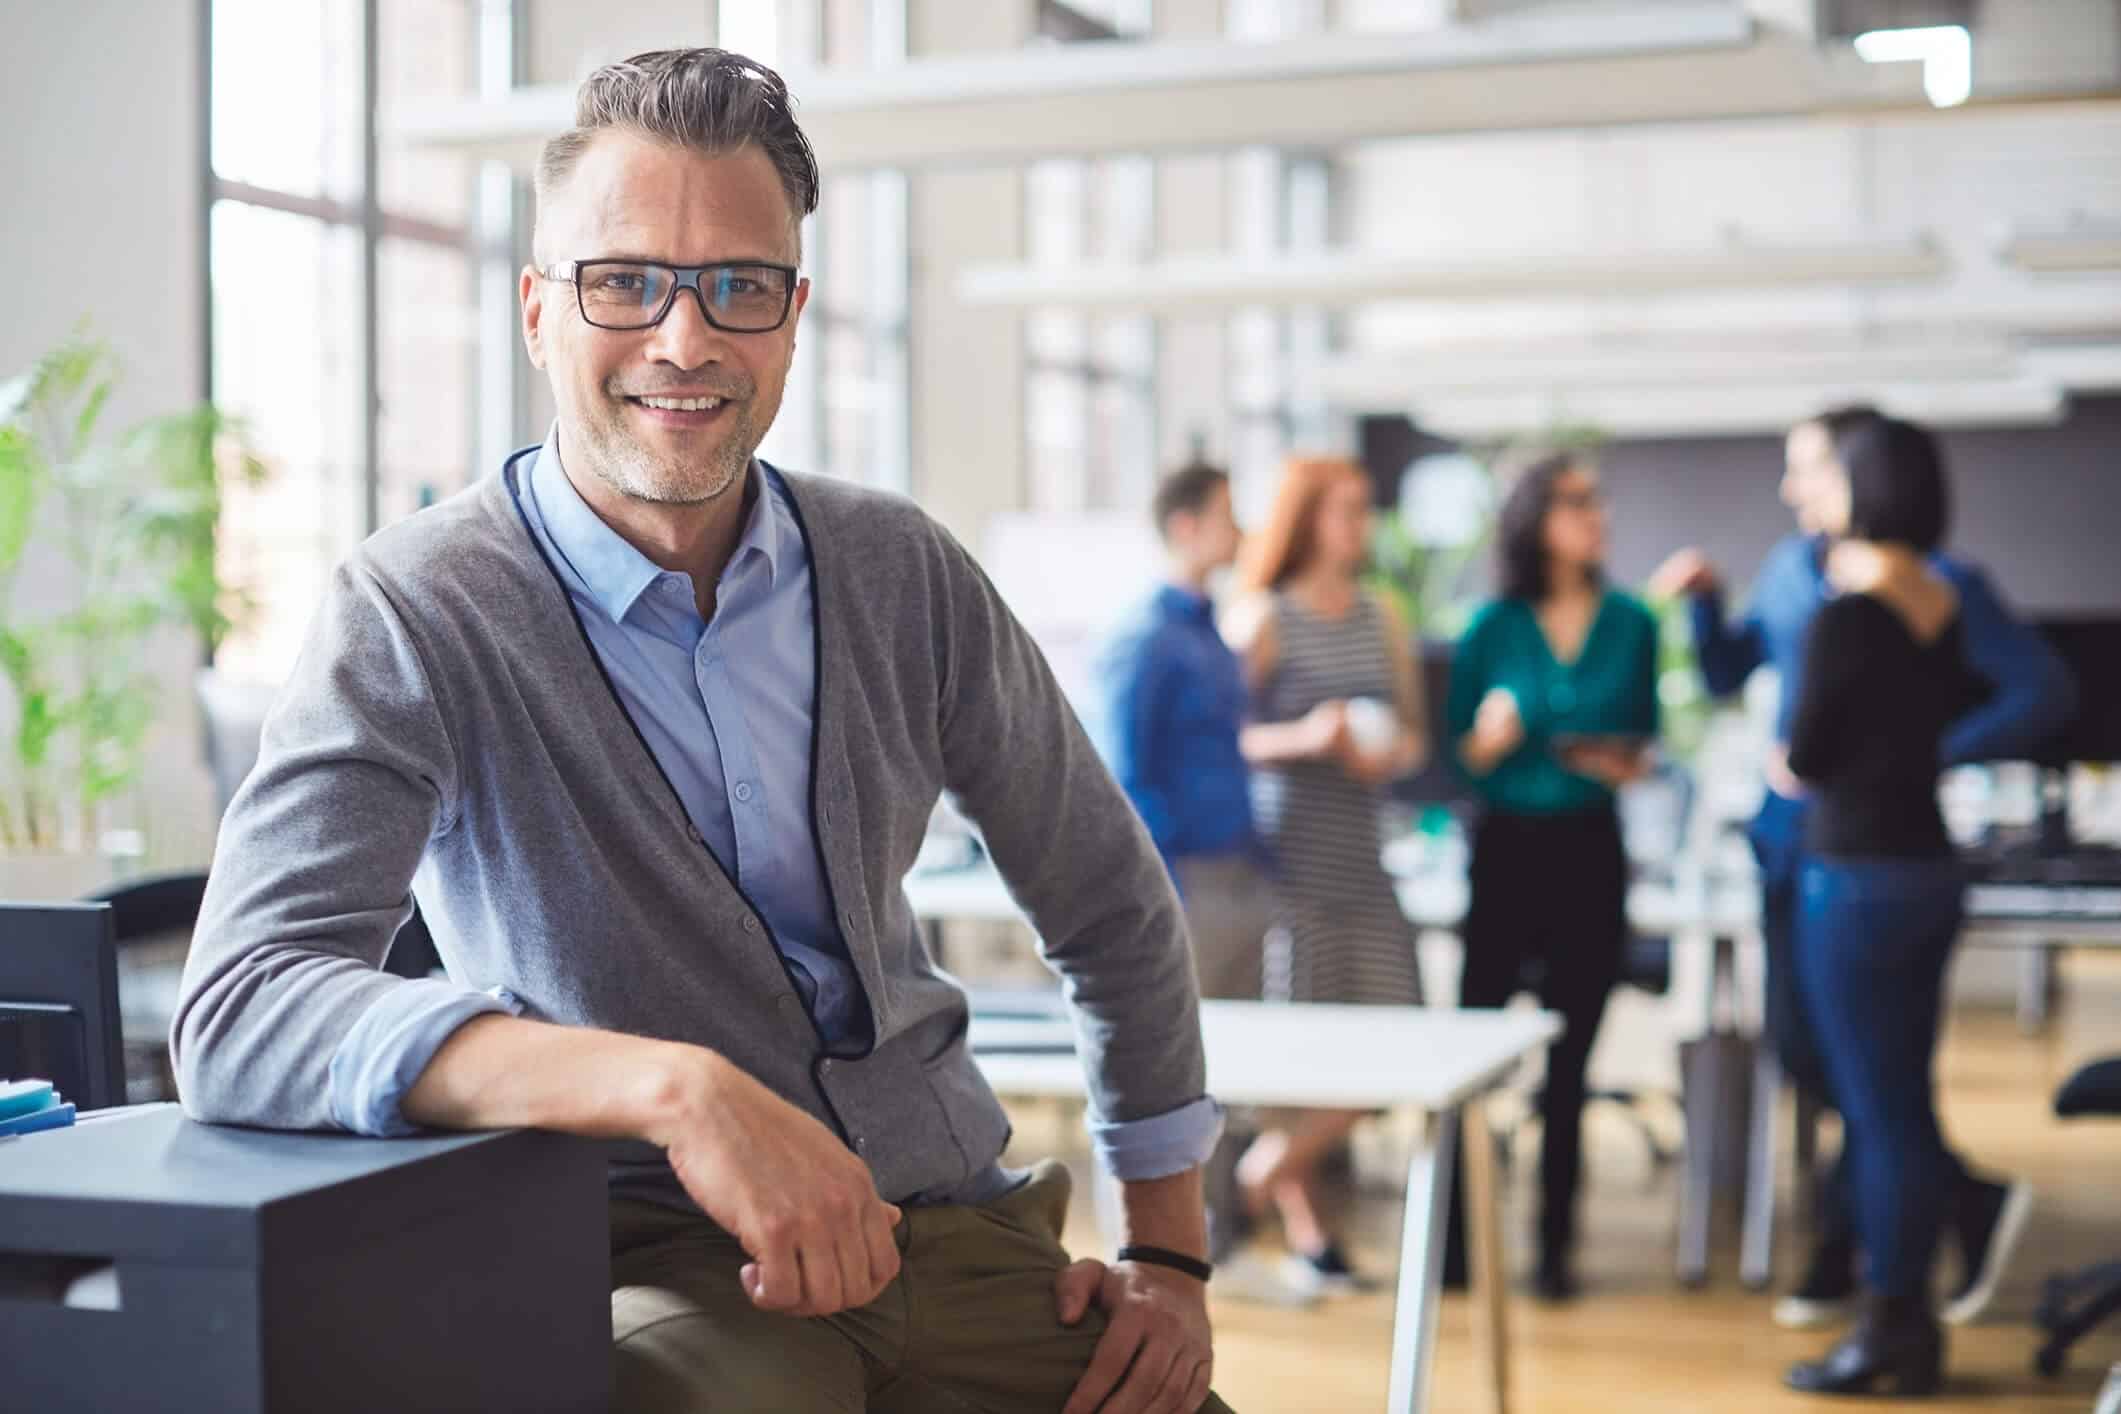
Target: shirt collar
610, 568
1178, 601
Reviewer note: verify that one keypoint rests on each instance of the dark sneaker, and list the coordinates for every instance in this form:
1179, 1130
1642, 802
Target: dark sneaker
1990, 1220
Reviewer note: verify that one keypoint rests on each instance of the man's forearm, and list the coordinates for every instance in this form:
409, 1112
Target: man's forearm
1167, 1212
503, 1072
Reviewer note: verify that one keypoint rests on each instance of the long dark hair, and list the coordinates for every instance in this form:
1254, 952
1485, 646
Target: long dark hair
1521, 569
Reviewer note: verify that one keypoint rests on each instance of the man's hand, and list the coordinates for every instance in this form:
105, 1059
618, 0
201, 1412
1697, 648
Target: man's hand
1156, 1355
1687, 572
785, 1187
1780, 778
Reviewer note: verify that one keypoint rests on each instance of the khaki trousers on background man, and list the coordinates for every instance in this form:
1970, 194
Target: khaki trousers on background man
970, 1323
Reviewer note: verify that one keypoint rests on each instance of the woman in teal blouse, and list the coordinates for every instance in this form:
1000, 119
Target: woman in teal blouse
1552, 707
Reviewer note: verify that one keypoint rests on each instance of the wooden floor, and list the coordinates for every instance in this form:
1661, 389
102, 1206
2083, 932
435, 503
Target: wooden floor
1637, 1342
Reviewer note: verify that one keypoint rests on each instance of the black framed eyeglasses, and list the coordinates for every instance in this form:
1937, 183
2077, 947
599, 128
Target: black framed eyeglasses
735, 296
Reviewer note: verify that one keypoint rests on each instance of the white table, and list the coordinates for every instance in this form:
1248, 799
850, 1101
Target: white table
1352, 1057
2036, 919
976, 894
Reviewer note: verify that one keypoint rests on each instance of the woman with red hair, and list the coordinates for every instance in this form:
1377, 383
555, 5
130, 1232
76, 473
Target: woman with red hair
1336, 714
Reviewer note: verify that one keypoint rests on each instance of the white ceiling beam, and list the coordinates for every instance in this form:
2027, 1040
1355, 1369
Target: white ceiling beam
1539, 70
1373, 380
1197, 284
1686, 411
2065, 253
2081, 368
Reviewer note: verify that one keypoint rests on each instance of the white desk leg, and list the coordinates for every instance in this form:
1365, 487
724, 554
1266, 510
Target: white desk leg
1484, 1244
2036, 977
1421, 1244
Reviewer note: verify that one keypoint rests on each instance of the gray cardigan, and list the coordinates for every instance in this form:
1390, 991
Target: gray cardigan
447, 715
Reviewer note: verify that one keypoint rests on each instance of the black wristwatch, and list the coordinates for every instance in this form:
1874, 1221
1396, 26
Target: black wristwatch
1165, 1257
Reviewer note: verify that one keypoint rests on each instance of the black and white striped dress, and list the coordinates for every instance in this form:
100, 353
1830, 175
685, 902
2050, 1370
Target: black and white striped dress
1342, 936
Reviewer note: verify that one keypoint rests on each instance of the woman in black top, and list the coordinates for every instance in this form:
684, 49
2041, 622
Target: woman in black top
1881, 894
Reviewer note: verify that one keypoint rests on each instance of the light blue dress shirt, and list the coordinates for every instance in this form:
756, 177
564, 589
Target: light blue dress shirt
736, 747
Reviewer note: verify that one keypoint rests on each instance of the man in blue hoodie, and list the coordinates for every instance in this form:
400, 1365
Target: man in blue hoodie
2033, 697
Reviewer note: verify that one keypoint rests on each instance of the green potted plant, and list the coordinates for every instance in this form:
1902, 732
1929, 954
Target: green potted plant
1421, 548
106, 542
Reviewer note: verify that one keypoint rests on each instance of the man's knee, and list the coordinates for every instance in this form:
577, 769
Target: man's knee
670, 1356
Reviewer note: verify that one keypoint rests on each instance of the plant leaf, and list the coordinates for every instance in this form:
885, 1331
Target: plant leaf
19, 482
91, 411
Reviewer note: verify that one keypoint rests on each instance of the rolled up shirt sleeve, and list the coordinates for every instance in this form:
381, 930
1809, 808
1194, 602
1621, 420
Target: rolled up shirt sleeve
382, 1055
1181, 1139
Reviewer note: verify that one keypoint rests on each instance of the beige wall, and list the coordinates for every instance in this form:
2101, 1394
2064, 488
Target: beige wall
101, 169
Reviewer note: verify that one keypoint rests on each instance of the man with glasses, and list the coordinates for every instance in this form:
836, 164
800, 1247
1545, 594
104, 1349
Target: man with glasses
653, 731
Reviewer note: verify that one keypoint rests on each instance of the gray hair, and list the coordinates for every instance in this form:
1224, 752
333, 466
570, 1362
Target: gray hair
708, 100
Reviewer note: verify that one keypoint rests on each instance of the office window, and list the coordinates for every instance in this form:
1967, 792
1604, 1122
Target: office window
1090, 380
844, 410
1279, 202
345, 330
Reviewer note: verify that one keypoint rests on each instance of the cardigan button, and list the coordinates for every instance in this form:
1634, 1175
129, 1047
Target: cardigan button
751, 924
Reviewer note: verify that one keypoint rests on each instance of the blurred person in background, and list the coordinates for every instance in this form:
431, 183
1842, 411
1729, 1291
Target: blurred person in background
1173, 699
1553, 707
1880, 895
1336, 715
1173, 709
2031, 697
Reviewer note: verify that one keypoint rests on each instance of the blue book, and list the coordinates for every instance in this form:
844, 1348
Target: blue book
57, 1117
21, 1097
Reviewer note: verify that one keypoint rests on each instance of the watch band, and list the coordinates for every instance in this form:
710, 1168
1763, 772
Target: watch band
1165, 1257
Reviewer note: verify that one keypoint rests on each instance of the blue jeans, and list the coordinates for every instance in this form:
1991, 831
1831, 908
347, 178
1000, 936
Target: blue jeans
1874, 937
1777, 839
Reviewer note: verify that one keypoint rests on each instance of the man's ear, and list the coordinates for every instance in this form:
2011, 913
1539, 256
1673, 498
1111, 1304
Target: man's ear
531, 289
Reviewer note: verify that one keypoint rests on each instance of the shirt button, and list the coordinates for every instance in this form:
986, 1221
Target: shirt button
751, 925
742, 791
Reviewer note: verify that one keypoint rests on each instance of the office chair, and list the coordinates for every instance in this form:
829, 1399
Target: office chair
59, 1001
2074, 1304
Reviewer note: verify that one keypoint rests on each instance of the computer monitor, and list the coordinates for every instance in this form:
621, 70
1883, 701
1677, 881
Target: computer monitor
2090, 646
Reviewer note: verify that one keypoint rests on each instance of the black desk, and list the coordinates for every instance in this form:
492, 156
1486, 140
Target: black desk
260, 1271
